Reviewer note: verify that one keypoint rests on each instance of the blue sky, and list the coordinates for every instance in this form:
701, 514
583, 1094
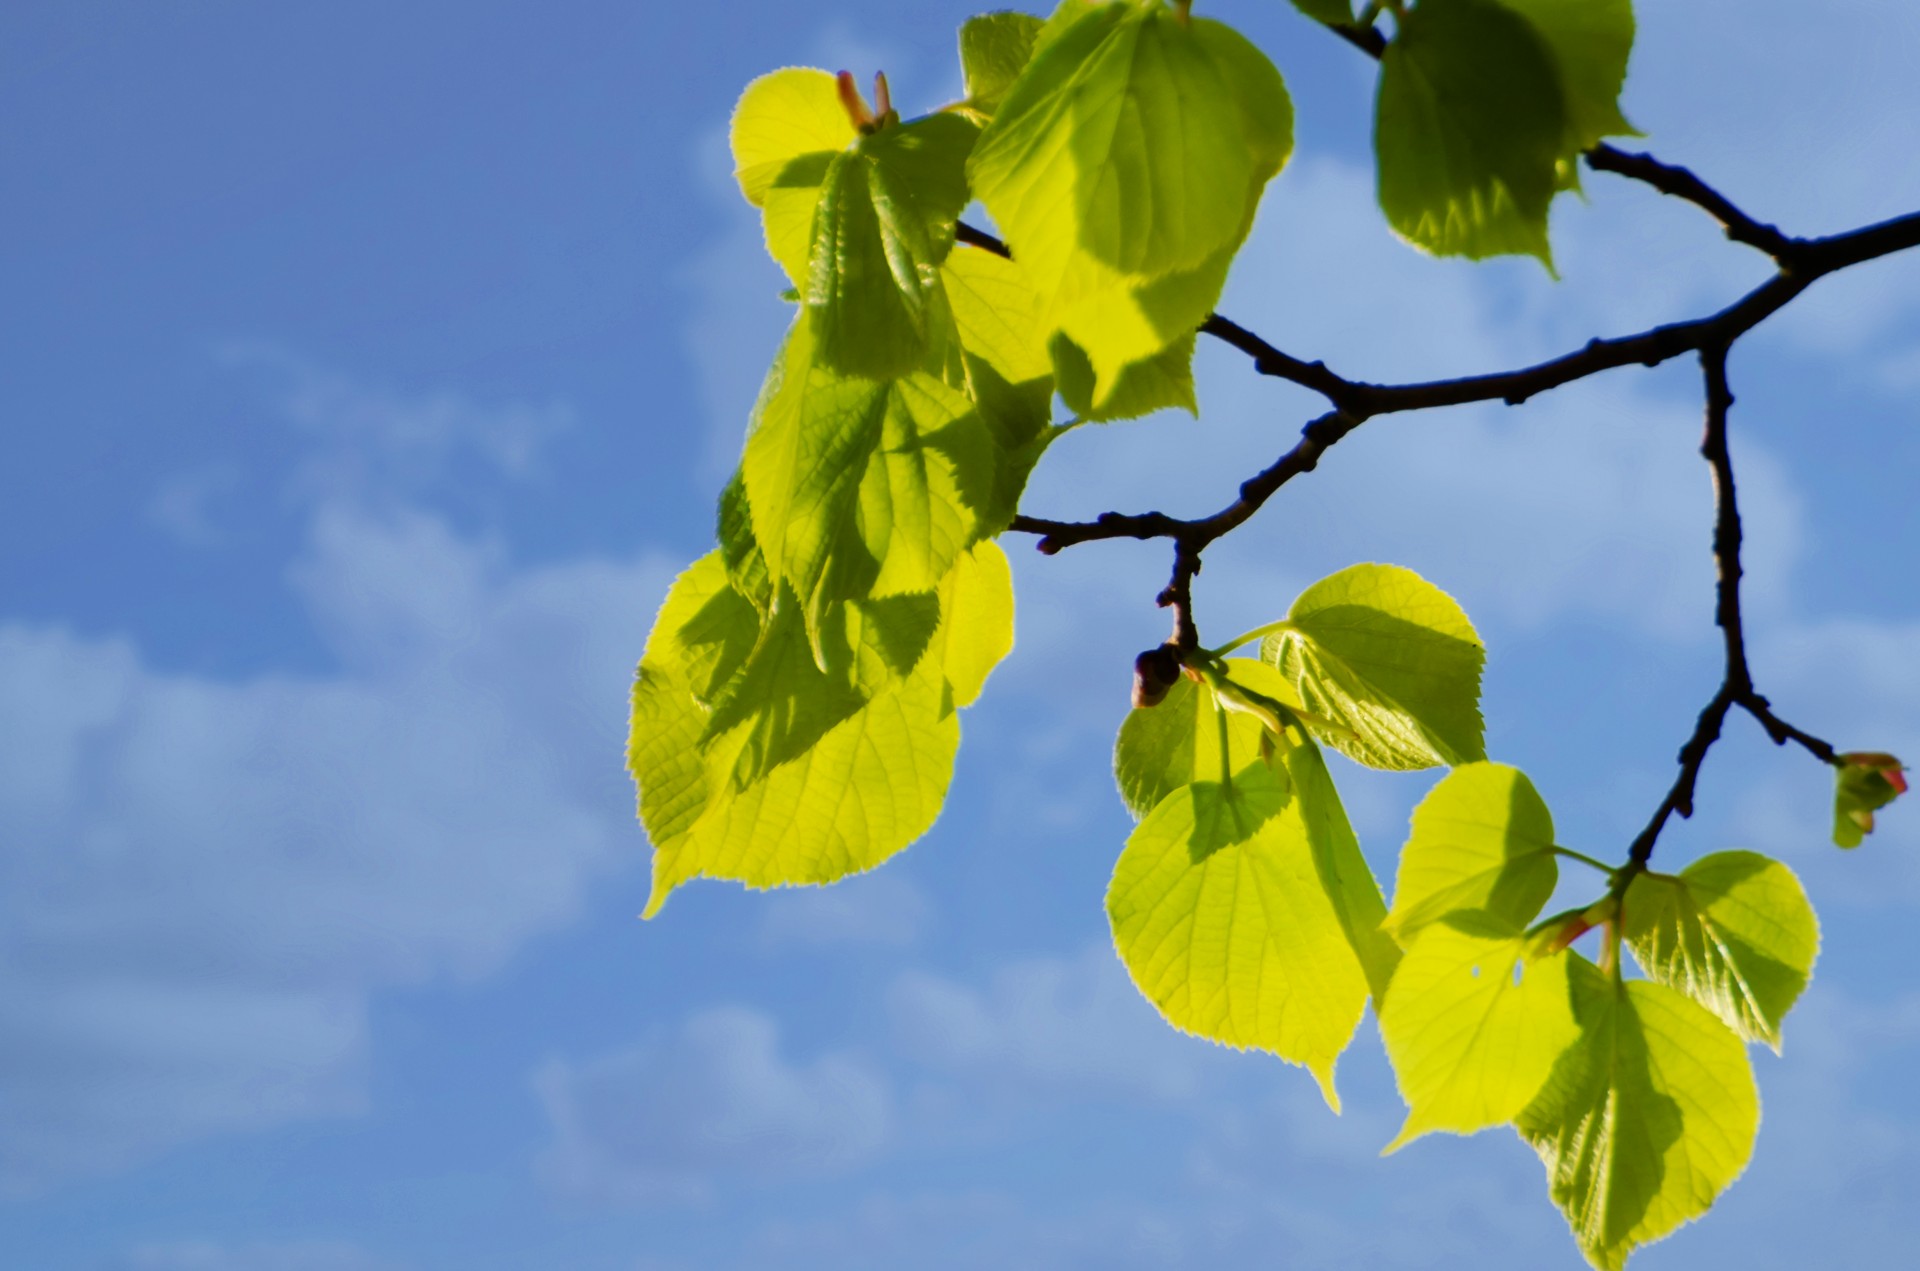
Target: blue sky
369, 372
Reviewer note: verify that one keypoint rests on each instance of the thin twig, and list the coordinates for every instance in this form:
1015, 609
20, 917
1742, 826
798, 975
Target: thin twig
1681, 183
1357, 402
1736, 684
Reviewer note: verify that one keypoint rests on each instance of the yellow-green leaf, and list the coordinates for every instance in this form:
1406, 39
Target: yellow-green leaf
1161, 748
1482, 839
1220, 914
1391, 662
860, 487
1733, 931
1646, 1118
864, 784
1124, 167
994, 49
780, 117
884, 222
1472, 1028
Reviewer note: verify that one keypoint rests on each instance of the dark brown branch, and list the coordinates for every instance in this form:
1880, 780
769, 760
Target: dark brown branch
1358, 402
1736, 685
1195, 535
1681, 183
1811, 260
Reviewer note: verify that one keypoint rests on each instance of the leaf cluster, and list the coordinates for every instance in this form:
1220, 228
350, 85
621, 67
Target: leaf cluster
795, 712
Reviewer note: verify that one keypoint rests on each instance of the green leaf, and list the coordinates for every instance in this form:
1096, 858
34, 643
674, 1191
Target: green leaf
862, 487
1733, 931
884, 222
1470, 125
1117, 143
1124, 168
1482, 839
1162, 748
1232, 908
1647, 1117
994, 49
726, 790
1473, 1028
1591, 41
1139, 388
1335, 12
780, 117
1391, 661
1864, 782
1343, 870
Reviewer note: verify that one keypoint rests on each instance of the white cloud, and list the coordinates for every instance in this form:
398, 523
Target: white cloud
367, 437
205, 879
673, 1120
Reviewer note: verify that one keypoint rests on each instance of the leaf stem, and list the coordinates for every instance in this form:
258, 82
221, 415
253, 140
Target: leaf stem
1584, 859
1248, 637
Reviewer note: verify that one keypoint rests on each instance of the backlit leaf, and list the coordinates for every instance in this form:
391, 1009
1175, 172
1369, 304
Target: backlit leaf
748, 785
884, 222
1124, 168
780, 117
1225, 919
1164, 747
1591, 41
1469, 128
1864, 782
1482, 839
1391, 661
1646, 1119
1472, 1028
861, 487
994, 49
1733, 931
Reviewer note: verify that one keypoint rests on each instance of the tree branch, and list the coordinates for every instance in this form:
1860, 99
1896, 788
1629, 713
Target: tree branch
1356, 402
1736, 685
1681, 183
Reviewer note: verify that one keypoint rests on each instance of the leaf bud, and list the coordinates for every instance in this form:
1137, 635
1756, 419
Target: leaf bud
1154, 674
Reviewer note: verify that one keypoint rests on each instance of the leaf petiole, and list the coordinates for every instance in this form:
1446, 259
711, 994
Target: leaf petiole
1584, 859
1248, 637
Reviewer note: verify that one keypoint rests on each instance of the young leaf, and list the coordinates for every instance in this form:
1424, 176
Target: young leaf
1391, 661
1119, 141
1162, 748
863, 786
1864, 782
1482, 839
1469, 127
1733, 931
884, 222
1472, 1027
1647, 1117
1221, 913
1139, 388
780, 117
994, 49
1124, 103
863, 487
